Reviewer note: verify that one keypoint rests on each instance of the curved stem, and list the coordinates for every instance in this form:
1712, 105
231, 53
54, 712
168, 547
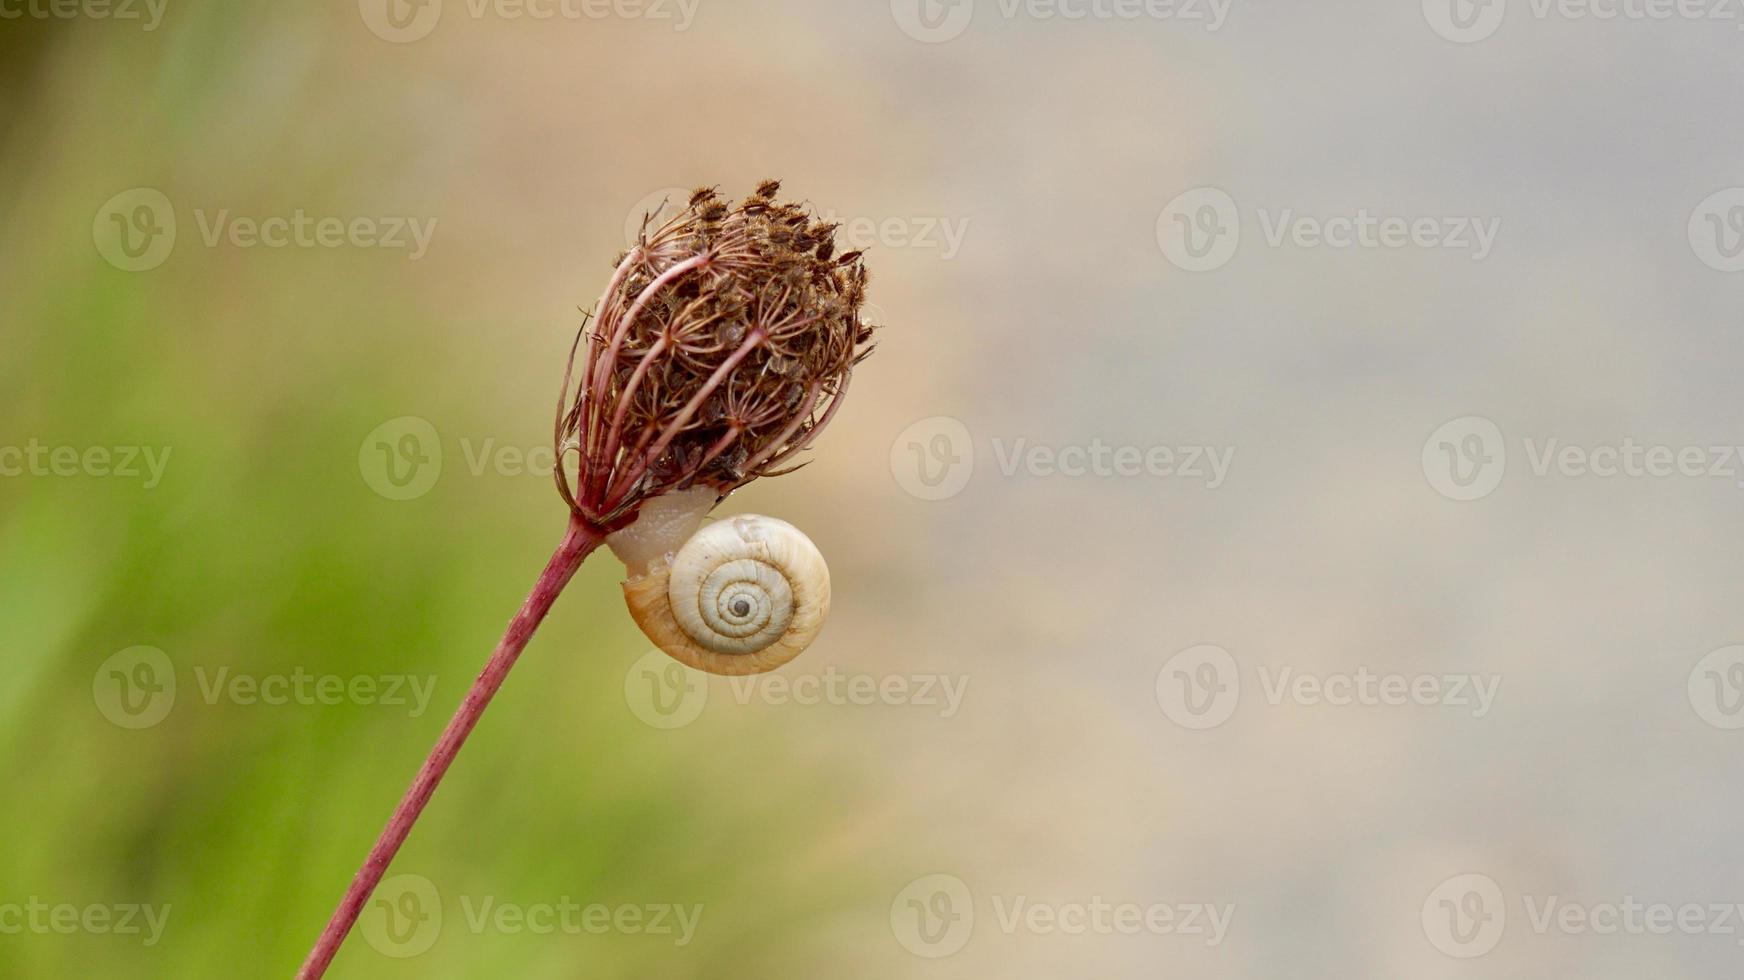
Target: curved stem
580, 541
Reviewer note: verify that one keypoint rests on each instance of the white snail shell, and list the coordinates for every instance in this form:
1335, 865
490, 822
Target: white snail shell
743, 595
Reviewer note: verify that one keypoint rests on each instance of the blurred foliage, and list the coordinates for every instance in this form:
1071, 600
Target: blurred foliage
264, 552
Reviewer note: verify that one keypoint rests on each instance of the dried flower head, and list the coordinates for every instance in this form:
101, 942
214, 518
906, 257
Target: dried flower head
721, 348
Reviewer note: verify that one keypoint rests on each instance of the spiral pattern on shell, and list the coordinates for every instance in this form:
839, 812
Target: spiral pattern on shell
742, 596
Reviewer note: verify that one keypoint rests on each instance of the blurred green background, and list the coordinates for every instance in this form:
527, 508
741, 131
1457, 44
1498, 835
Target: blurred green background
1014, 176
264, 550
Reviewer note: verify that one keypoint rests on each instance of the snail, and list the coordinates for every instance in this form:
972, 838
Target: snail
742, 595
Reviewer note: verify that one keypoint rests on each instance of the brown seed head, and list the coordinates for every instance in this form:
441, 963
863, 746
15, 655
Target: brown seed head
722, 346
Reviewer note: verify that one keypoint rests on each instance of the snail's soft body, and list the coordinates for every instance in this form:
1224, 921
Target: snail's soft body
742, 595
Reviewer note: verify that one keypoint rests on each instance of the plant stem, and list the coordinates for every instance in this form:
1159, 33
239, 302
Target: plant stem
580, 541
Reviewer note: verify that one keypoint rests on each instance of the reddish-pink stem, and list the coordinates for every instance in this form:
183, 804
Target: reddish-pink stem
580, 541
